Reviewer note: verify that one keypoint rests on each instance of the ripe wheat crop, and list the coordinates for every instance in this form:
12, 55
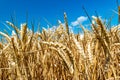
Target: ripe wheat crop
59, 54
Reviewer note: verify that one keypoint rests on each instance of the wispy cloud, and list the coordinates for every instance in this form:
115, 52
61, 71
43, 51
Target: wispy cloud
79, 20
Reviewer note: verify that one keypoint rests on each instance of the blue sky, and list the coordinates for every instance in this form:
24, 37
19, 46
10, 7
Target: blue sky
52, 10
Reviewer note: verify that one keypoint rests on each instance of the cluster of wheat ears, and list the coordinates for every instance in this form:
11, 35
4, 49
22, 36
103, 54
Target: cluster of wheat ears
58, 54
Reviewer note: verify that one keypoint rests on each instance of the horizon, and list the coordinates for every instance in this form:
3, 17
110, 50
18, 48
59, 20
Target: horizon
49, 12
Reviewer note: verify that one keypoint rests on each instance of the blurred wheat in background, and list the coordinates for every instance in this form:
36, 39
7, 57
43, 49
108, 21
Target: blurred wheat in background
58, 54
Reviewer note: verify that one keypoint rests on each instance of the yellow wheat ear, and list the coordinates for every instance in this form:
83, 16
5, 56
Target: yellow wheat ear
6, 36
23, 31
66, 23
24, 35
14, 27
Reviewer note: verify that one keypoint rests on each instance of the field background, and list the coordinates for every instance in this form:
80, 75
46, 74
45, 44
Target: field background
59, 40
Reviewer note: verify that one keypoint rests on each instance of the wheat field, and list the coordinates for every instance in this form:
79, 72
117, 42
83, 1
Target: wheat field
58, 54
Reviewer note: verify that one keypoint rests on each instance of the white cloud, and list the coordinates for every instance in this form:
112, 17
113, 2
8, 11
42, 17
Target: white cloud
79, 20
